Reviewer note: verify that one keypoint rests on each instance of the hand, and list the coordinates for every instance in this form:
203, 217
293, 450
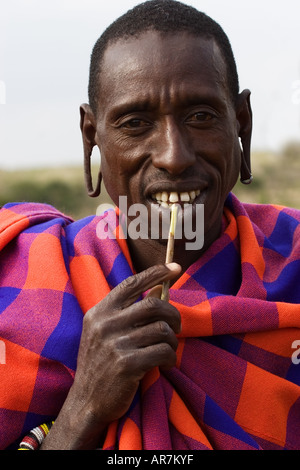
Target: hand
122, 339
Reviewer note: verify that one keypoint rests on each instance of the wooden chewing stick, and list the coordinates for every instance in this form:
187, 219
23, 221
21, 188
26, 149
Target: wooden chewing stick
170, 250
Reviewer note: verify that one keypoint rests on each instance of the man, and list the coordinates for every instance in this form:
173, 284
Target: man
210, 369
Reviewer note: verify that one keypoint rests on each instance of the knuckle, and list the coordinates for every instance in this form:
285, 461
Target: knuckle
152, 303
121, 342
126, 363
164, 328
121, 361
129, 283
168, 355
167, 337
98, 328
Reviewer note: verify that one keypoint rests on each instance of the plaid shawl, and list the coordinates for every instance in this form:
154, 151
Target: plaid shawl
235, 385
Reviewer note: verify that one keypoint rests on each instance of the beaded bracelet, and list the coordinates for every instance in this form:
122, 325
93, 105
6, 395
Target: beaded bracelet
35, 438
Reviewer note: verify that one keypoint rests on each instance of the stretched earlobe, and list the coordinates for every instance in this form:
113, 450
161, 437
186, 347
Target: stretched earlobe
245, 134
92, 192
245, 171
248, 181
246, 175
88, 130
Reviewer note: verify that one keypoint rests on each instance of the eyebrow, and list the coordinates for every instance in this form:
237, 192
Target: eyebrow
131, 107
147, 104
206, 97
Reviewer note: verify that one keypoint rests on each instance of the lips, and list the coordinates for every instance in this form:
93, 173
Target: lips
166, 199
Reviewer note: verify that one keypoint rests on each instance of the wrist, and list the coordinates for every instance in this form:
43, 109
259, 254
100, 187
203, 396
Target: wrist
76, 428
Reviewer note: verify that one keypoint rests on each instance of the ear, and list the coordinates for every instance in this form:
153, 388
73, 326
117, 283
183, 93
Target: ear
88, 131
244, 118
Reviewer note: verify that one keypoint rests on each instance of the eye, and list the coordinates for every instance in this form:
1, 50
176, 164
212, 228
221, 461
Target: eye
135, 124
201, 116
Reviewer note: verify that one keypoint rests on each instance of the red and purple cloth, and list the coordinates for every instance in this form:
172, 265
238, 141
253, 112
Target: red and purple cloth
235, 385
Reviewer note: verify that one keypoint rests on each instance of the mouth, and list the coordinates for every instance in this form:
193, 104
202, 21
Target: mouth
167, 199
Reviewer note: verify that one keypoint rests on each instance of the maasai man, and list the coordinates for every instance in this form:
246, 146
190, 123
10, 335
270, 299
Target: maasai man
94, 358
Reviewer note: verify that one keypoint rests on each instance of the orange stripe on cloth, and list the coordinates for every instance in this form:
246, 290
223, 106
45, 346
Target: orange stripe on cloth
181, 281
131, 438
276, 341
289, 315
184, 422
149, 379
88, 281
122, 241
251, 252
17, 377
196, 321
264, 404
111, 435
232, 229
179, 351
46, 267
11, 224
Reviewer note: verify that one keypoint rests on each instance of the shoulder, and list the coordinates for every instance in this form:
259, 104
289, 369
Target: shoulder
271, 216
276, 227
31, 211
264, 215
17, 218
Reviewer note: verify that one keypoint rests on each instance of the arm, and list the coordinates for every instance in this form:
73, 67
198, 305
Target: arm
121, 340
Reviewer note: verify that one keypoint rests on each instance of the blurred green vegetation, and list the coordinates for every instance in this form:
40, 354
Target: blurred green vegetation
276, 181
63, 188
276, 178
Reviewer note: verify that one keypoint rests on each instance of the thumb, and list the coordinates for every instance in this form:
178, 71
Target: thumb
155, 292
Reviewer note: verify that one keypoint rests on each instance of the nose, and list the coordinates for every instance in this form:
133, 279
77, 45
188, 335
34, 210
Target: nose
174, 152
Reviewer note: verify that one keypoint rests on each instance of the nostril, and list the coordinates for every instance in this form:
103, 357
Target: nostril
173, 152
174, 165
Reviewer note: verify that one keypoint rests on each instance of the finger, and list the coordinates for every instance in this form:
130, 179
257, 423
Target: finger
153, 333
162, 355
128, 291
152, 309
141, 361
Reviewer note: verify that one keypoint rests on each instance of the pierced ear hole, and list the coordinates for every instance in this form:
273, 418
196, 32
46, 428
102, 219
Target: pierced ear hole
92, 171
95, 163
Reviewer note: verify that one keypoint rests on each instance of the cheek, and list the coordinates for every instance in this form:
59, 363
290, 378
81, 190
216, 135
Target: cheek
228, 165
110, 178
118, 179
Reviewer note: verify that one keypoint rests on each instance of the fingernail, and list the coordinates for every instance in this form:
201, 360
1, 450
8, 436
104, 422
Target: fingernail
173, 266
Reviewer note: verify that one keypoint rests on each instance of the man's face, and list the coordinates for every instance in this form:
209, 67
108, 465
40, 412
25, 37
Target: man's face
166, 123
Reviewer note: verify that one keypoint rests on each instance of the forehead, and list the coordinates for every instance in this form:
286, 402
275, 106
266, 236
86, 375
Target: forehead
155, 62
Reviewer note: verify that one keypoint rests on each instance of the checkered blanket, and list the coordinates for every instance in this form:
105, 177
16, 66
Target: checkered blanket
237, 380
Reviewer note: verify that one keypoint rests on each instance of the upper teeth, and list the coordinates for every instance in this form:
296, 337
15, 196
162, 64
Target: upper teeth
165, 198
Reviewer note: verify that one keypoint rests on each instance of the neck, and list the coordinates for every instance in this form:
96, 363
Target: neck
147, 253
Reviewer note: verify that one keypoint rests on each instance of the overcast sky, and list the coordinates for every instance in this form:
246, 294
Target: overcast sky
45, 47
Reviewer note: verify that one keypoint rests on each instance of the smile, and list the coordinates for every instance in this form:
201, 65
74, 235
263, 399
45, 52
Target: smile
166, 199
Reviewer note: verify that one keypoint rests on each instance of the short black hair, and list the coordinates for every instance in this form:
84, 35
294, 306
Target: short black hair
165, 16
